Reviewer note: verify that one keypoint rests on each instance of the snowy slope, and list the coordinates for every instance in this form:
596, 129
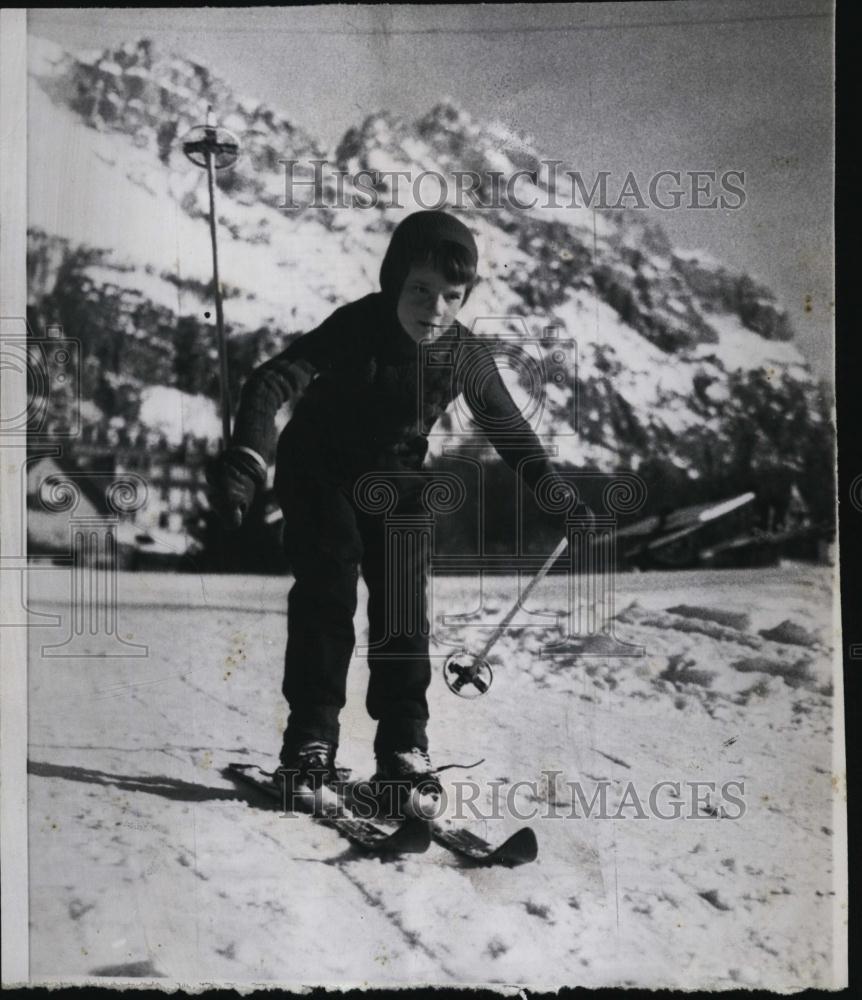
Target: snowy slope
150, 864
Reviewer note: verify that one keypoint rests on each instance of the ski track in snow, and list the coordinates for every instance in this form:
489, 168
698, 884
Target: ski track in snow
146, 862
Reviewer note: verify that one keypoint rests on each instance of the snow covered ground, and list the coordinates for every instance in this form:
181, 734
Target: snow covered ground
146, 863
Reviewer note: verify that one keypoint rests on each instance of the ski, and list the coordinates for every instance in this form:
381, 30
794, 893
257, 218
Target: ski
519, 848
412, 836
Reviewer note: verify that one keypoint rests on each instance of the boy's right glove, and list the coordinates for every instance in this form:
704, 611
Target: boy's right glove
233, 478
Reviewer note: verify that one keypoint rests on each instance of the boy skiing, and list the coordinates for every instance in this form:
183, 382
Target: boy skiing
355, 395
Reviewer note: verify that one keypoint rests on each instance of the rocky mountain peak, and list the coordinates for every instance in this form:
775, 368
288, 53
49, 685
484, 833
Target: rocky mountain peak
672, 346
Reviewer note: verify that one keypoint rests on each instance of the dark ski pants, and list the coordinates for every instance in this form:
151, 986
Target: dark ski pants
328, 540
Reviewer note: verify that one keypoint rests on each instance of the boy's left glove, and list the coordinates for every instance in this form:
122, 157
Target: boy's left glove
233, 478
581, 511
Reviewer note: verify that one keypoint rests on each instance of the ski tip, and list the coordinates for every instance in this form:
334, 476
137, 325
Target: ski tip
234, 770
520, 849
412, 837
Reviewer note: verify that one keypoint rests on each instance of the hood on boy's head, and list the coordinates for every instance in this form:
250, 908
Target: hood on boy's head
417, 236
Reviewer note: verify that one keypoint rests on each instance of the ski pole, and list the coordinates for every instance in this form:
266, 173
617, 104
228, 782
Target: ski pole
531, 586
214, 150
463, 668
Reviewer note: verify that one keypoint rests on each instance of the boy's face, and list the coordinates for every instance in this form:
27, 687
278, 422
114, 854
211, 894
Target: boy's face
428, 303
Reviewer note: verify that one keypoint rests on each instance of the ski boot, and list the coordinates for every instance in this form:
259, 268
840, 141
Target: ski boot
308, 776
406, 783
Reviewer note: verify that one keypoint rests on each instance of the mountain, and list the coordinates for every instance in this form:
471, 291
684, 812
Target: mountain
677, 366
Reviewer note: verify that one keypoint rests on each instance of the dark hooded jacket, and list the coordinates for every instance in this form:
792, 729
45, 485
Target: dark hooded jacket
364, 396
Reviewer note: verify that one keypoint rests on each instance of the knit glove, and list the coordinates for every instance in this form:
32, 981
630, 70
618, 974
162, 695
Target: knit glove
233, 479
581, 511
